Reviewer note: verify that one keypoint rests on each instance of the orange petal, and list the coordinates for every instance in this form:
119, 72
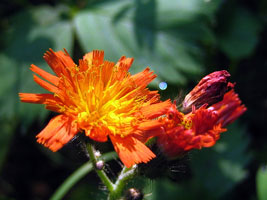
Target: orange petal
60, 130
125, 62
156, 110
142, 79
83, 65
207, 141
229, 109
51, 78
107, 69
35, 98
94, 57
45, 84
124, 65
148, 130
59, 62
97, 134
131, 151
65, 58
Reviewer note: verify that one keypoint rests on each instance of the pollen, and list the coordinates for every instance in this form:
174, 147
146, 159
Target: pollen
187, 123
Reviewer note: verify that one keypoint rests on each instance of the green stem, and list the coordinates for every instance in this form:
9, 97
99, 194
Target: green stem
114, 189
125, 175
78, 175
100, 172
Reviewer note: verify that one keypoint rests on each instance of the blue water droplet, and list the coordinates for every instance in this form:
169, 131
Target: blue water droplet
163, 85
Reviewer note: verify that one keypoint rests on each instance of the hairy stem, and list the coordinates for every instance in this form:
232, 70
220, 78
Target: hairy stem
100, 172
78, 175
125, 175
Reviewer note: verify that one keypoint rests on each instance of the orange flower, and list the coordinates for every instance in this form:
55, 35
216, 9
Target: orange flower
199, 128
194, 130
100, 98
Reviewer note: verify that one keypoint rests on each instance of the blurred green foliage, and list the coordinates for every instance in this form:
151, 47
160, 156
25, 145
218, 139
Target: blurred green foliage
181, 40
262, 183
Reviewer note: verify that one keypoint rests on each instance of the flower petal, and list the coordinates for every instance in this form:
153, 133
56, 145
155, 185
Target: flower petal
229, 109
142, 79
155, 110
124, 65
203, 120
95, 57
97, 134
51, 78
60, 130
35, 98
131, 151
59, 62
45, 85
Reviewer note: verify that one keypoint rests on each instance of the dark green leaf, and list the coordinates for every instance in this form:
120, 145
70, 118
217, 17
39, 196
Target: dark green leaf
240, 35
171, 13
224, 164
32, 32
7, 128
134, 30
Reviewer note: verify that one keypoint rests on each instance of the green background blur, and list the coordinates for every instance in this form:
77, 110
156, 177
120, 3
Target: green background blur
181, 40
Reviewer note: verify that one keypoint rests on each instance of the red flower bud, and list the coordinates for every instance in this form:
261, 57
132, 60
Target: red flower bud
208, 91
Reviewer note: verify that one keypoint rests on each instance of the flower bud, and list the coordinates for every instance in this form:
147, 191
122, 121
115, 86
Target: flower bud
208, 91
100, 164
97, 154
134, 194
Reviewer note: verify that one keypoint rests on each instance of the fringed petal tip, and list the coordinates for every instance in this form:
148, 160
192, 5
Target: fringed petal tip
131, 151
35, 98
125, 63
155, 110
47, 76
95, 57
55, 146
59, 131
45, 85
60, 62
229, 109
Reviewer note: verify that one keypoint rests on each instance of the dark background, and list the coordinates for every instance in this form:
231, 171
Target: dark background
181, 40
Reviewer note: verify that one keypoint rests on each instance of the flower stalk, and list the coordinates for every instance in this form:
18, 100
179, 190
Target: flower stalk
100, 172
76, 176
115, 189
125, 175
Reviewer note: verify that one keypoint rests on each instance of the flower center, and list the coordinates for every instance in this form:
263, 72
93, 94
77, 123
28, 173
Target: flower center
96, 101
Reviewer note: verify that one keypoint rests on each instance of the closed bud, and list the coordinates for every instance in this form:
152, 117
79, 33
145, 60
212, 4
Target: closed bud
134, 194
97, 154
209, 90
100, 164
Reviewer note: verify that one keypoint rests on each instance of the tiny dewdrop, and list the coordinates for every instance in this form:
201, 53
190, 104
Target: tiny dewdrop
163, 85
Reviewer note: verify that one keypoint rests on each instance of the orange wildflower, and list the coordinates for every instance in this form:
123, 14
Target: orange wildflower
100, 98
201, 127
194, 130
